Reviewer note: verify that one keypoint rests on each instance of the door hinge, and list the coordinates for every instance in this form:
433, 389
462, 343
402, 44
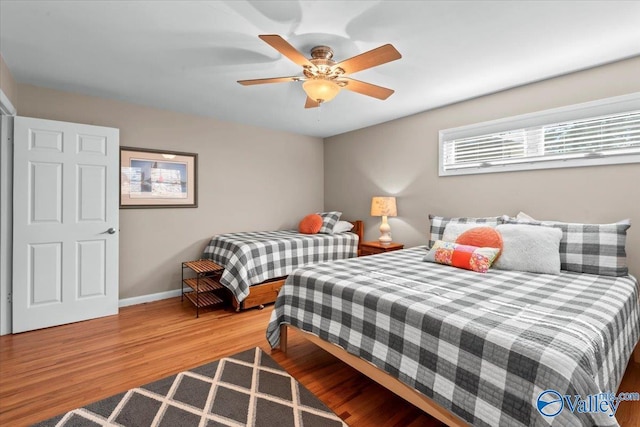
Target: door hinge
9, 297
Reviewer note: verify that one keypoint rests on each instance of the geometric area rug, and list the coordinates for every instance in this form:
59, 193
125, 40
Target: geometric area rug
245, 389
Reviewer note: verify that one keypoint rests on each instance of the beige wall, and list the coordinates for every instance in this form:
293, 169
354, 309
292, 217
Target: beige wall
401, 158
7, 83
249, 179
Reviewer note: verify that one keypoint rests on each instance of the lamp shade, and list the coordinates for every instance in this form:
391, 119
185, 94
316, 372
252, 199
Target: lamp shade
383, 206
321, 90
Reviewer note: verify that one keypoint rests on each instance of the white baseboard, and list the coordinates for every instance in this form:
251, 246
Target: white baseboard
149, 298
132, 301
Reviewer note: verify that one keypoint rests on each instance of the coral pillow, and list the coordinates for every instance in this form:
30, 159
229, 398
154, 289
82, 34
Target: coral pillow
462, 256
482, 237
310, 224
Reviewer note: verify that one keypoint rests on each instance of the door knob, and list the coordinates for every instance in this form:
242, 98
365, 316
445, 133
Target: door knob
111, 230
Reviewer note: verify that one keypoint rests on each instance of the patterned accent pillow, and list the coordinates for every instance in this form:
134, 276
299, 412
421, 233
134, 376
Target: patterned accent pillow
482, 237
462, 256
438, 224
590, 248
329, 221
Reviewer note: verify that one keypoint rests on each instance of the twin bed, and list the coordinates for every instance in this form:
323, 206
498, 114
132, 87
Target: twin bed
468, 347
256, 263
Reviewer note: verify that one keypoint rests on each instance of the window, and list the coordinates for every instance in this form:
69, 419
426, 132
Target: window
595, 133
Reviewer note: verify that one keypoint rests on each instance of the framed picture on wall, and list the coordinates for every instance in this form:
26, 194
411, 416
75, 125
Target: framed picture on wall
158, 179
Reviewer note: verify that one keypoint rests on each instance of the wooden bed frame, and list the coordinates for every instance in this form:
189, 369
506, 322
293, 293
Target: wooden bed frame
267, 291
384, 379
391, 383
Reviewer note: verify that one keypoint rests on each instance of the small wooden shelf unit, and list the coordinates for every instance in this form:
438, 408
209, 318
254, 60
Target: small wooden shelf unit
207, 291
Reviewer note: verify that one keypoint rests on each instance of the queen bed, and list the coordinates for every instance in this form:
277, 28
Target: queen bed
257, 263
463, 346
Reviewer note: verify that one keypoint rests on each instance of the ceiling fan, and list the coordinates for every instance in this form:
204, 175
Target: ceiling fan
323, 77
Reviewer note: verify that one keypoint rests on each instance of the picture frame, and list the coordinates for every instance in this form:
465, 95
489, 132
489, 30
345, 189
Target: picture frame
158, 179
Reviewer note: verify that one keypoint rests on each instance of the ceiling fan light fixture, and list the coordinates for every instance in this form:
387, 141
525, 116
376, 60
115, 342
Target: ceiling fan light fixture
321, 90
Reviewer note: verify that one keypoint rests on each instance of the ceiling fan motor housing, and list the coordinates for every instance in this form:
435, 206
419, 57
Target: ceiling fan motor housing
321, 58
322, 52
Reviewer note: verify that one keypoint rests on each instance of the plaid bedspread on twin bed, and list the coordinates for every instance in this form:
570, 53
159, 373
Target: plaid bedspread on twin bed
484, 346
250, 258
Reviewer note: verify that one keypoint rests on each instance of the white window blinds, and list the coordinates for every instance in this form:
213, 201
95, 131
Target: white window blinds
584, 139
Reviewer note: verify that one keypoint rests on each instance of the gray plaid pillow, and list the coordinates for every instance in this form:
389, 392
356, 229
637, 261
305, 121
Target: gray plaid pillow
438, 224
590, 248
329, 220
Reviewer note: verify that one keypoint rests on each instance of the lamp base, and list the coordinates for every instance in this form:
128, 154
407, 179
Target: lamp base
385, 232
385, 240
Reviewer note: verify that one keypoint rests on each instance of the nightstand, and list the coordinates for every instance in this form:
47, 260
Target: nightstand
372, 248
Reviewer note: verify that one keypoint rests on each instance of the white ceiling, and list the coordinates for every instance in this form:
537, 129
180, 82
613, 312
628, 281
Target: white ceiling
186, 56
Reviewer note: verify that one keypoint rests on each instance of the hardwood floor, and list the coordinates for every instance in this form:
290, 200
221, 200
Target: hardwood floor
47, 372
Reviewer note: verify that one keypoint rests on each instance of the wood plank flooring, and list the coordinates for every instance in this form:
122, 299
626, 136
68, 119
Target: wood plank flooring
47, 372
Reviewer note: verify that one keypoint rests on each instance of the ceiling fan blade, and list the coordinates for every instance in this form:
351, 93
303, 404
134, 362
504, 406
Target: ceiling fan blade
366, 88
283, 46
378, 56
311, 103
271, 80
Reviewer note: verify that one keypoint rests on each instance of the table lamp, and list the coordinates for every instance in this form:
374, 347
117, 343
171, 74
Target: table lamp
384, 207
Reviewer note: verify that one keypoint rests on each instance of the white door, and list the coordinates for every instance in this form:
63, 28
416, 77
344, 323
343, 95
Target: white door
65, 223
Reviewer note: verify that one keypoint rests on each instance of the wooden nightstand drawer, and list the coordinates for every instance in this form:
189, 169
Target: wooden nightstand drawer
372, 248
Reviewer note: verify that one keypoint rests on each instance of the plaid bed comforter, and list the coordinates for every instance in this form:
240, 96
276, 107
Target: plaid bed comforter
252, 257
484, 346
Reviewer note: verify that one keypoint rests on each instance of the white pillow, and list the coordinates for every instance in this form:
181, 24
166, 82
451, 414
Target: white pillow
342, 227
523, 216
453, 230
529, 248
